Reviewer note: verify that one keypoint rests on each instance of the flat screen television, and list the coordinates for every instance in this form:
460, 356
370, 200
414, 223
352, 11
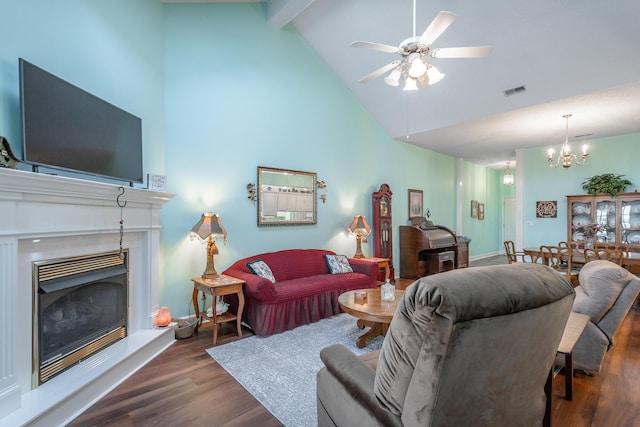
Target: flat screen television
66, 128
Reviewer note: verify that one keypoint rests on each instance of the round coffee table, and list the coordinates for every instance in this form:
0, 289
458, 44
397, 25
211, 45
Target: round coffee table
372, 312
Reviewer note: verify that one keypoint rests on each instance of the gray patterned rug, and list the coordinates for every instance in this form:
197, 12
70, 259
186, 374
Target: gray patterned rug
280, 370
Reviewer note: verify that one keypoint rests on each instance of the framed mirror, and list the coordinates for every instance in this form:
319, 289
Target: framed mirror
286, 197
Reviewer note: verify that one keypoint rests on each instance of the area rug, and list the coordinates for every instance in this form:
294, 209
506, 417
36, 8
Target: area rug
280, 370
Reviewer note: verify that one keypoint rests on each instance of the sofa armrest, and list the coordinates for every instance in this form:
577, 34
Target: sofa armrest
365, 267
256, 287
358, 379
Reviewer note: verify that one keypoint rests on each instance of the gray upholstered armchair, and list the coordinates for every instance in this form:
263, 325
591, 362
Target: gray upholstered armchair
606, 293
467, 347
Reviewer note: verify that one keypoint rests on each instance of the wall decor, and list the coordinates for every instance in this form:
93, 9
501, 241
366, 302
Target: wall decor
286, 197
474, 209
481, 211
547, 209
415, 203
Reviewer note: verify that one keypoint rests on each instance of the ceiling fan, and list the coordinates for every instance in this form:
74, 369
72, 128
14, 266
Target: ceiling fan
412, 65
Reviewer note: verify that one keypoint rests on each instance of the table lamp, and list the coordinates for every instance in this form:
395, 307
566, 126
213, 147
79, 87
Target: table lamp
209, 228
360, 228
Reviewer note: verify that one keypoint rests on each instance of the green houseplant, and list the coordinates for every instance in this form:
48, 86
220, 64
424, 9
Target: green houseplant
607, 183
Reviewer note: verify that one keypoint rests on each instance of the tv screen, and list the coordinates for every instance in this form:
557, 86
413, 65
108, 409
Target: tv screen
65, 127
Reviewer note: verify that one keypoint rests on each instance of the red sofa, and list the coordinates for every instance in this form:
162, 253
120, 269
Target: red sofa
304, 292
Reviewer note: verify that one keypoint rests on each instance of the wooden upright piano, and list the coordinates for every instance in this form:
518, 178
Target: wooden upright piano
426, 249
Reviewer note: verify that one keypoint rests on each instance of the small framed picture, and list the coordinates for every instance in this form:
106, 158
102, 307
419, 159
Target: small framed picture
474, 209
480, 211
415, 203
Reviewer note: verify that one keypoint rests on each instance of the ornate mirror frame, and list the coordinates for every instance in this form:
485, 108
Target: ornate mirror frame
286, 197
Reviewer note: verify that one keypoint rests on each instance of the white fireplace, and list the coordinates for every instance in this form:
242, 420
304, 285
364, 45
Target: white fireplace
44, 217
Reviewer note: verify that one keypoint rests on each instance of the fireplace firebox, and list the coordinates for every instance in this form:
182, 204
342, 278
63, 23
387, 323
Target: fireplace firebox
80, 307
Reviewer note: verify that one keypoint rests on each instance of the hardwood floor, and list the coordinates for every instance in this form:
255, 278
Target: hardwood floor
185, 387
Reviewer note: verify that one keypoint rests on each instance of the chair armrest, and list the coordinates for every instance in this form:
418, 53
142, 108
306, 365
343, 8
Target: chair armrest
255, 287
357, 378
365, 267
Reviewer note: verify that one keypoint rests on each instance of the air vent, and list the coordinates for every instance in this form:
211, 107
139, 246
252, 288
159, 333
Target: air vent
514, 90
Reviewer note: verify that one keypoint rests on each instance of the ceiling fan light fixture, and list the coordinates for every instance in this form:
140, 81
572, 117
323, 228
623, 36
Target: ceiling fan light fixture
434, 75
410, 84
393, 79
417, 67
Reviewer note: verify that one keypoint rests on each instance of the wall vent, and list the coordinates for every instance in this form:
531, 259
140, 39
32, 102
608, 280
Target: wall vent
515, 90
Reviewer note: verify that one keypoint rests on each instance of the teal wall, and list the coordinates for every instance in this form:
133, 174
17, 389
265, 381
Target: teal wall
240, 93
221, 92
485, 186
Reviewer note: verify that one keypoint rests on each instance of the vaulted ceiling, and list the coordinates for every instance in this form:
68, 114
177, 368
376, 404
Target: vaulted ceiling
572, 57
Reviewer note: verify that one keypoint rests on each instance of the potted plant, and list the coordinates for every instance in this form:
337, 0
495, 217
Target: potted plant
607, 183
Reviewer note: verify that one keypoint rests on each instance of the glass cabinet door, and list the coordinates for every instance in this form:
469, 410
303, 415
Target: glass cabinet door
580, 215
630, 222
606, 217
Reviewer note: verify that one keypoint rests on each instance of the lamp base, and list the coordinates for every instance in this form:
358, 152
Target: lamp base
359, 253
213, 275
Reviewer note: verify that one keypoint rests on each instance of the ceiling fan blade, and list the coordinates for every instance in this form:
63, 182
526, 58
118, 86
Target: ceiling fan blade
375, 46
440, 23
461, 52
380, 71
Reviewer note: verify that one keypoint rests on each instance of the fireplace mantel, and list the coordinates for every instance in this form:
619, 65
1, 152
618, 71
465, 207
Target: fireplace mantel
43, 217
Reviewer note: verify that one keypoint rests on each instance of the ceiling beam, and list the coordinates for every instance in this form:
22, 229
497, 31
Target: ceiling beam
281, 12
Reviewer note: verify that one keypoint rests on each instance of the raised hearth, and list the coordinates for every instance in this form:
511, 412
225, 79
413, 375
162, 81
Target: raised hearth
46, 217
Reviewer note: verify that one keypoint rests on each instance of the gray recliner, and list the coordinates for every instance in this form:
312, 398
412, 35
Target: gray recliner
467, 347
606, 293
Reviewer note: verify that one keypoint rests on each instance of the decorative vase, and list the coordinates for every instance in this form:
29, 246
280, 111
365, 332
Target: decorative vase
388, 291
588, 242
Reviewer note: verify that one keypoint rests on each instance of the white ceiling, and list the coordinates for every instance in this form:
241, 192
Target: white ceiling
574, 57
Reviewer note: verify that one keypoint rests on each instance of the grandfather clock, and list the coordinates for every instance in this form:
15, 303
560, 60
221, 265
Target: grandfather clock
382, 228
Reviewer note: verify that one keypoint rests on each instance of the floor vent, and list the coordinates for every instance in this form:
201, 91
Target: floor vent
514, 90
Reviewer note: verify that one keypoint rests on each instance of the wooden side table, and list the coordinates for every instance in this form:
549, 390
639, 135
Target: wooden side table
575, 326
382, 263
219, 286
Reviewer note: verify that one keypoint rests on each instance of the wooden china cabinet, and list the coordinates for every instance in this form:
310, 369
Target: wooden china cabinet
382, 228
619, 215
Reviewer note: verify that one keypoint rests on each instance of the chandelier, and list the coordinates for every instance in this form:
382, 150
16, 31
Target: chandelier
507, 178
565, 157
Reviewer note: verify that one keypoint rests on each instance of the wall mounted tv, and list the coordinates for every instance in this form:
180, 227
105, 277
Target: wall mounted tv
67, 128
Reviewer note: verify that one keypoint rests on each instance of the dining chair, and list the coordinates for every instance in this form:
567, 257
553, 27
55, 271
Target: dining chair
560, 259
613, 255
512, 254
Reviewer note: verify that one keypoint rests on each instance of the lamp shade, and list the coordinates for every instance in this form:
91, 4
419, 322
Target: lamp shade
209, 225
359, 225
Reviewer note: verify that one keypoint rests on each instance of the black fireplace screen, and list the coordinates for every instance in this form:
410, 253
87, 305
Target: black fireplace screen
72, 317
81, 307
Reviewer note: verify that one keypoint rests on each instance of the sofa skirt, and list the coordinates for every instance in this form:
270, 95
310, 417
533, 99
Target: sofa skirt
268, 319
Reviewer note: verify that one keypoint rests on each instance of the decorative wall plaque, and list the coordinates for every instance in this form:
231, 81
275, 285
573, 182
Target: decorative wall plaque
547, 209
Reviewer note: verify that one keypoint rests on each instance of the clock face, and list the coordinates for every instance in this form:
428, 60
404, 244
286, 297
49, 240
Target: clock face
384, 207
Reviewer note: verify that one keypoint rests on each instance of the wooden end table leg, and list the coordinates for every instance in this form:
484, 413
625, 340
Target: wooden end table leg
215, 317
194, 298
239, 314
568, 376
